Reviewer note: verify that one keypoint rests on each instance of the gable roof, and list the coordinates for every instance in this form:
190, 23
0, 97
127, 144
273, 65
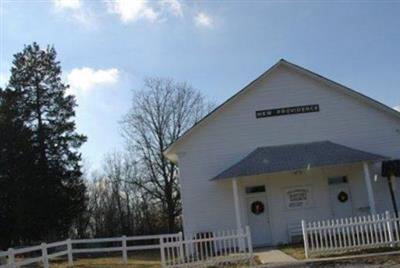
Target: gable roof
290, 157
282, 62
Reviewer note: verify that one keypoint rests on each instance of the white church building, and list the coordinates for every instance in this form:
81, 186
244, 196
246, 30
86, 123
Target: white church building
291, 145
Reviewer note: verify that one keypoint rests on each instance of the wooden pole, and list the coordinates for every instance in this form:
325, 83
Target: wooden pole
236, 204
249, 245
11, 258
389, 227
390, 183
370, 191
181, 252
45, 258
69, 249
124, 250
162, 251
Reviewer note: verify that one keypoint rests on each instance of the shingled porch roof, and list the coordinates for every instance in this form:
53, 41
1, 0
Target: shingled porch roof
291, 157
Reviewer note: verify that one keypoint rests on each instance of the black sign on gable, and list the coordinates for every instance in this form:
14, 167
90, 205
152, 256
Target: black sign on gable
312, 108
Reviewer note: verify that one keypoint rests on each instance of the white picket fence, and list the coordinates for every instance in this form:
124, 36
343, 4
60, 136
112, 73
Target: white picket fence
350, 234
18, 257
208, 249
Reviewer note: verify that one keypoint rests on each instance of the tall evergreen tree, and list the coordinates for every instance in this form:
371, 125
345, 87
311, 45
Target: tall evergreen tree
16, 163
55, 190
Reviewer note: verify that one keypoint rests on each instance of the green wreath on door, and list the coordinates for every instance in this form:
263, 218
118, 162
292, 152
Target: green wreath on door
257, 207
343, 196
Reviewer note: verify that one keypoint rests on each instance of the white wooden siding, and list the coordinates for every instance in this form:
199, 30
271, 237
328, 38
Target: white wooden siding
233, 132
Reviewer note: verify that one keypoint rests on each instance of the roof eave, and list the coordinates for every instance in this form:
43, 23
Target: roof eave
170, 150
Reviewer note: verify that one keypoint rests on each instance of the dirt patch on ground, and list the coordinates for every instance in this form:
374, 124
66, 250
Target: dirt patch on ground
294, 250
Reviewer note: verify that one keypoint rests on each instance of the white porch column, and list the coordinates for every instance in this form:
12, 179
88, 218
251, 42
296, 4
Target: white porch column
236, 202
367, 178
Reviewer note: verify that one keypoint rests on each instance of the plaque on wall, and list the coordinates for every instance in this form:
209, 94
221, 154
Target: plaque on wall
299, 197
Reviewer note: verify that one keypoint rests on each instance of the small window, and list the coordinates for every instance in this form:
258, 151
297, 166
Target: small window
255, 189
337, 180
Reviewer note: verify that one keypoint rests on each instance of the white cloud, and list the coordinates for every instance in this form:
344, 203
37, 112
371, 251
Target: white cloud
203, 20
83, 80
67, 4
397, 108
76, 11
127, 10
174, 6
132, 10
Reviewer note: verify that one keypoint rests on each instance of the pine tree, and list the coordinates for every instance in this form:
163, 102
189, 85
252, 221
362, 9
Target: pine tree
16, 163
56, 190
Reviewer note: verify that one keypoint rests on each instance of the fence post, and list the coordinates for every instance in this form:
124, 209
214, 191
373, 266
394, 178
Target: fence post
305, 237
45, 258
162, 251
124, 250
69, 252
241, 233
389, 227
180, 236
11, 258
249, 244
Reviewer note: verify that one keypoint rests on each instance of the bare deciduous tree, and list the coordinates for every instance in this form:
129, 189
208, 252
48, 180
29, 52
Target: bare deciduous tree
159, 115
116, 205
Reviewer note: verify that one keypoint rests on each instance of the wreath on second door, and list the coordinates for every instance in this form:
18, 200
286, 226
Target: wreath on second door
257, 207
343, 197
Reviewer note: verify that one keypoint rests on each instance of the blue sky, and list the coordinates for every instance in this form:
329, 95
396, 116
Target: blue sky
107, 48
